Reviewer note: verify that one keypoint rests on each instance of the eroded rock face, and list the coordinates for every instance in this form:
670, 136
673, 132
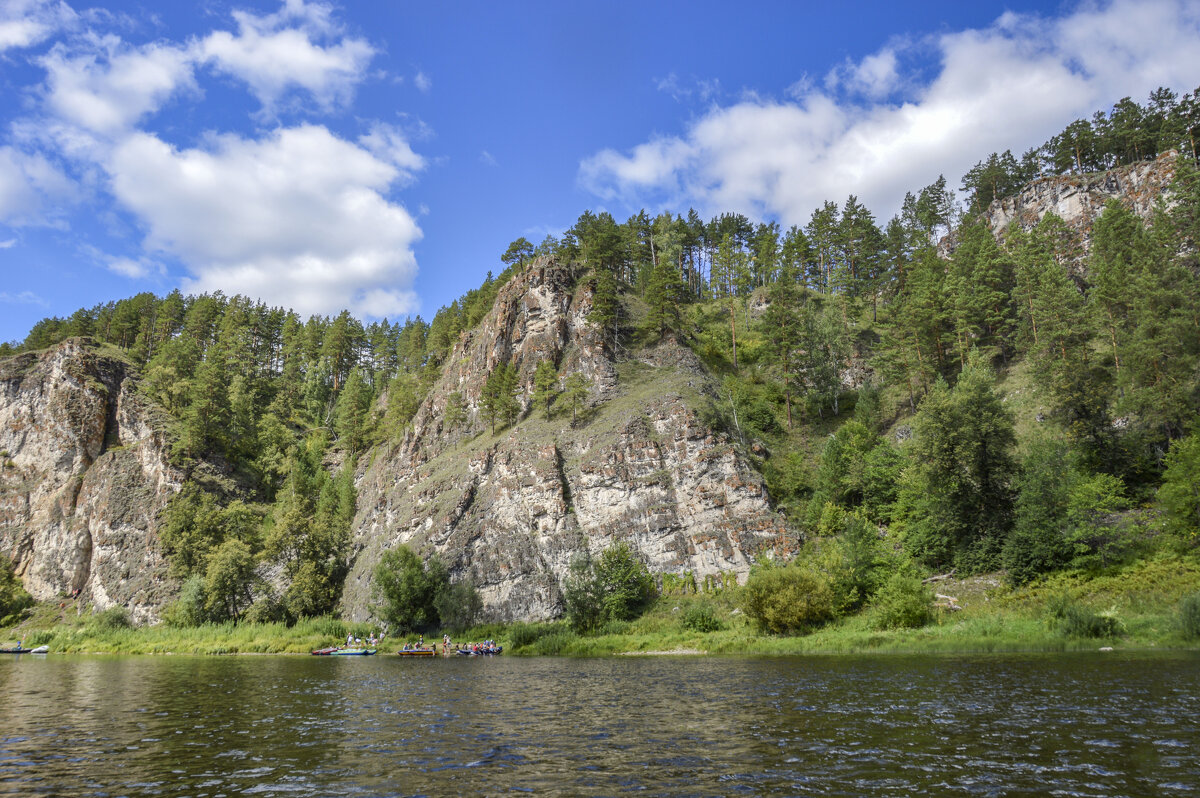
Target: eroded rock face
83, 475
511, 511
1079, 199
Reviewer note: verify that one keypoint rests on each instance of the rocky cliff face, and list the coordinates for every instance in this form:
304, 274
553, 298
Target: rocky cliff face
510, 510
1079, 199
83, 474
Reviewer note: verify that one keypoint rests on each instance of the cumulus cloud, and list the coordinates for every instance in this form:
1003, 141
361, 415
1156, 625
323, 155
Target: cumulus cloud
111, 86
299, 218
875, 76
133, 268
390, 145
1010, 85
685, 90
24, 23
23, 298
32, 189
284, 50
422, 82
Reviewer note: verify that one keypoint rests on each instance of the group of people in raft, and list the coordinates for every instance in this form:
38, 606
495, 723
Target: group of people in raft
449, 647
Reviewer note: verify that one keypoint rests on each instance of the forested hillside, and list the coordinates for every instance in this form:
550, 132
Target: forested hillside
996, 407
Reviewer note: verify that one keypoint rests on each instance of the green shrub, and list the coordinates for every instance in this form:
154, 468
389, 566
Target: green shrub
615, 587
524, 634
38, 637
615, 628
788, 600
458, 605
1072, 620
111, 619
701, 618
552, 644
189, 609
13, 598
902, 603
329, 626
1189, 617
408, 587
265, 610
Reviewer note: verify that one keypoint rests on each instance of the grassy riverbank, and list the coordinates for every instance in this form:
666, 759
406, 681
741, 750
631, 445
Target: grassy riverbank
1144, 599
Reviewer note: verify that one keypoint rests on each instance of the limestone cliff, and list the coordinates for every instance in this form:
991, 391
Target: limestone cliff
83, 474
510, 510
1080, 199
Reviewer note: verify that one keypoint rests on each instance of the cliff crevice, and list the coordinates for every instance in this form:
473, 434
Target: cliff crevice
84, 476
510, 511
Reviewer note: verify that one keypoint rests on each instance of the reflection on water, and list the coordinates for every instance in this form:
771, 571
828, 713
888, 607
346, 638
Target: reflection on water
1040, 724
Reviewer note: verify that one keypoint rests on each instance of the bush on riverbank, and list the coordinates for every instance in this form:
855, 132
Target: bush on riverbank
1189, 617
1150, 598
903, 602
13, 598
1070, 619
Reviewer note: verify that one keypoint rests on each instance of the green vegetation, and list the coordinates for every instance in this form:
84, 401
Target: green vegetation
13, 598
1001, 403
1189, 617
1153, 604
1128, 133
417, 595
614, 587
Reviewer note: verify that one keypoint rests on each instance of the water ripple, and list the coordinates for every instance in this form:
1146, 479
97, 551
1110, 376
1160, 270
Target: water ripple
1045, 725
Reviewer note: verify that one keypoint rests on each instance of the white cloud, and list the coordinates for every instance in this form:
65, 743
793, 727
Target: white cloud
1010, 85
133, 268
875, 77
24, 23
32, 190
279, 51
683, 90
655, 164
112, 86
389, 144
23, 298
487, 159
422, 82
9, 244
298, 218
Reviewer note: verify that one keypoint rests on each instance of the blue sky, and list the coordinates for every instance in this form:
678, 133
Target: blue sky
381, 156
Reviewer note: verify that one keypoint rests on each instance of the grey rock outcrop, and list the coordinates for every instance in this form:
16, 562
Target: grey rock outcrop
1079, 199
510, 511
83, 475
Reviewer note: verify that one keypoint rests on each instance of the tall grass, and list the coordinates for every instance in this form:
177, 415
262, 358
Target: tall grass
1157, 603
107, 633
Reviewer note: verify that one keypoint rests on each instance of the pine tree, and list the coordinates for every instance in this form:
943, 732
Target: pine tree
575, 393
1119, 243
979, 282
403, 401
498, 400
545, 380
782, 324
606, 305
352, 417
663, 294
729, 277
455, 414
957, 497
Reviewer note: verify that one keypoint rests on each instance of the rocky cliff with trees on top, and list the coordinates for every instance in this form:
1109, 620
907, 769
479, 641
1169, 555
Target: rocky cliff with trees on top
690, 394
84, 476
637, 462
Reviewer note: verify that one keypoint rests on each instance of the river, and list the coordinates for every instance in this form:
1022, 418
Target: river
1066, 724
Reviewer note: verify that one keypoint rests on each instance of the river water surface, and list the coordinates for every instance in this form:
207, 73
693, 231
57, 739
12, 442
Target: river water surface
1082, 724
